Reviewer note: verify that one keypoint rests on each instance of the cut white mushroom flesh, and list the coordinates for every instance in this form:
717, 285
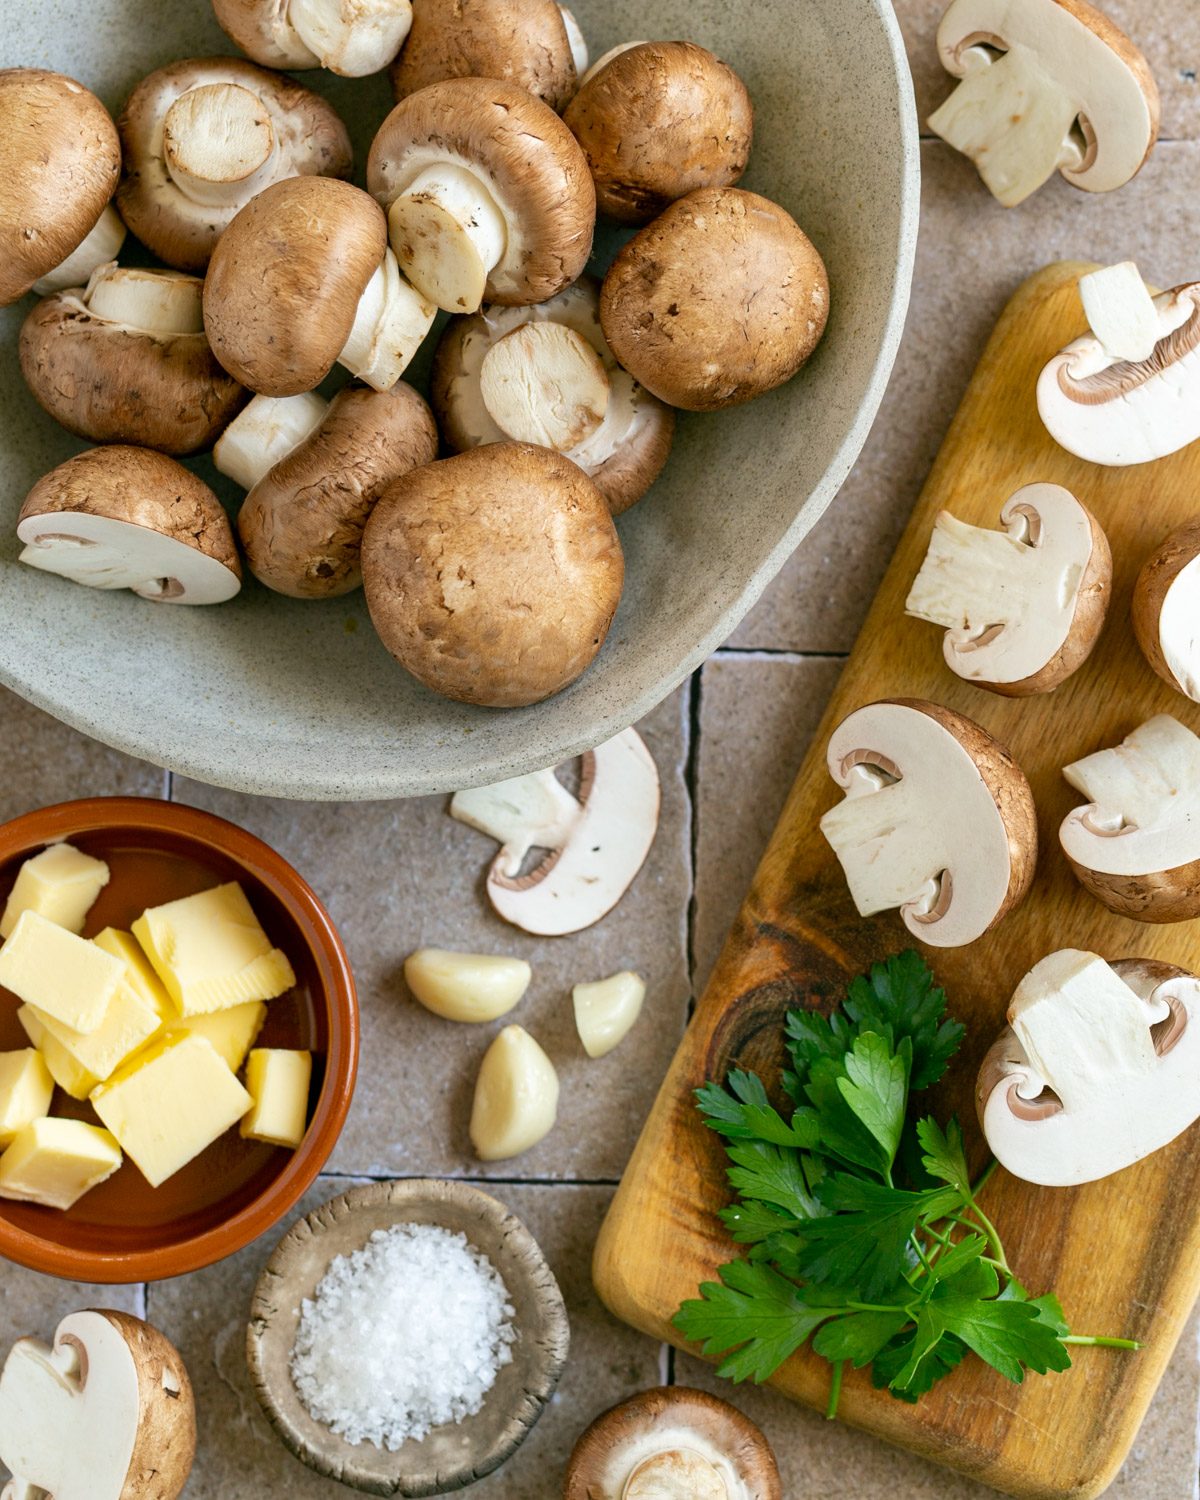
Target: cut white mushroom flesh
593, 845
449, 235
264, 433
516, 1097
350, 37
102, 245
390, 325
606, 1010
1102, 405
545, 384
1101, 1067
219, 144
163, 303
470, 987
1166, 610
1042, 92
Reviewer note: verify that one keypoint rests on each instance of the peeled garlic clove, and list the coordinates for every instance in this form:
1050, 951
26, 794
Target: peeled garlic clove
466, 986
605, 1011
516, 1097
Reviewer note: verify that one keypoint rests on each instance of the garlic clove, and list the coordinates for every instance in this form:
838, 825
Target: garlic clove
516, 1097
606, 1011
469, 987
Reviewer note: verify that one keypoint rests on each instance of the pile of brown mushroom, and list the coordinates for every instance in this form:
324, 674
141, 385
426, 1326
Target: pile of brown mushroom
492, 575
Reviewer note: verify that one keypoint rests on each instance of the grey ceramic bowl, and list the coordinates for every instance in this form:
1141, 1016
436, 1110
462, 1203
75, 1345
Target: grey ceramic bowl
277, 696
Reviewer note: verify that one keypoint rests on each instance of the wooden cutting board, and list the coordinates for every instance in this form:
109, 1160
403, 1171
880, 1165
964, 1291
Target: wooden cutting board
1123, 1254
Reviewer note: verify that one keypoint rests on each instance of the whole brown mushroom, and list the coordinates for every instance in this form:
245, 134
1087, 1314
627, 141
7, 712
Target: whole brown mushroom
350, 37
493, 577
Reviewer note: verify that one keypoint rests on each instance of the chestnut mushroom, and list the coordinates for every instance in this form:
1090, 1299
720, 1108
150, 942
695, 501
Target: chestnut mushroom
62, 165
493, 577
487, 194
202, 136
1164, 610
350, 37
125, 360
721, 299
546, 375
656, 121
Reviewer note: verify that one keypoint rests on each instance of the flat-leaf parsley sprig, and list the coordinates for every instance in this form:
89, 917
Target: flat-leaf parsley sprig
863, 1227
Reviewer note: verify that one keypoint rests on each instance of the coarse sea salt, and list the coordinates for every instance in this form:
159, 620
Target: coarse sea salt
406, 1334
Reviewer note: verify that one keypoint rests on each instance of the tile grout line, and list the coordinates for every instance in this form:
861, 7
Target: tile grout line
691, 776
776, 653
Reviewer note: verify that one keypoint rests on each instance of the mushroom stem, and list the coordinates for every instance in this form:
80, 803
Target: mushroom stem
266, 432
970, 577
352, 40
390, 325
576, 42
675, 1474
156, 302
218, 144
101, 244
544, 383
448, 235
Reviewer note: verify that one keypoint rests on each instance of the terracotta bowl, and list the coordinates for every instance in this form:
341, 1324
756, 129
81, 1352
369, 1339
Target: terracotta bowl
124, 1230
450, 1457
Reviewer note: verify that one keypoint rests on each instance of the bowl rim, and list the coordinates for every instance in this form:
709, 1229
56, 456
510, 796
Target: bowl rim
63, 820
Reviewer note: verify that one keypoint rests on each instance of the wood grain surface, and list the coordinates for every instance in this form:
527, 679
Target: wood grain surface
1123, 1254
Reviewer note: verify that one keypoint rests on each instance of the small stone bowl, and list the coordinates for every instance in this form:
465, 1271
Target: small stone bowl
450, 1457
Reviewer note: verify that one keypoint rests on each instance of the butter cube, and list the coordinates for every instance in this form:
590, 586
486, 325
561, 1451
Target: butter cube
26, 1089
59, 973
169, 1104
129, 1023
54, 1162
278, 1082
61, 883
211, 952
71, 1076
232, 1032
139, 974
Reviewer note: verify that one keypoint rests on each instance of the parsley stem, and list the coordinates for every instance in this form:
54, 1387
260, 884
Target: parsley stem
835, 1390
921, 1256
1100, 1343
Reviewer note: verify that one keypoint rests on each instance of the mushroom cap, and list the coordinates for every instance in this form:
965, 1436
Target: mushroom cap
721, 299
659, 121
493, 577
355, 37
641, 426
112, 383
309, 140
679, 1420
62, 164
522, 42
301, 525
529, 161
1164, 609
285, 281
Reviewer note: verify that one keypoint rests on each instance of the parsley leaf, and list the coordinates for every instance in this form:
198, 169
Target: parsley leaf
865, 1241
764, 1173
843, 1134
753, 1311
858, 1337
742, 1111
945, 1157
876, 1088
899, 999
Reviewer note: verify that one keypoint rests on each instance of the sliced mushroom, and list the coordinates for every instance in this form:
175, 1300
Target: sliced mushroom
130, 518
1136, 845
1048, 86
511, 372
516, 1097
535, 45
125, 360
302, 280
62, 163
487, 194
592, 846
1098, 1068
1101, 400
350, 37
1165, 618
1023, 607
657, 121
720, 300
106, 1413
673, 1444
201, 137
937, 820
493, 577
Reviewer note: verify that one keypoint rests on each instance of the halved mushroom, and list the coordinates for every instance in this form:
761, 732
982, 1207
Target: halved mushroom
1023, 607
302, 280
535, 44
125, 360
201, 137
62, 164
1128, 392
493, 577
1165, 618
301, 525
1136, 845
487, 194
673, 1444
131, 518
1098, 1067
350, 37
592, 845
658, 121
545, 374
720, 300
107, 1413
938, 820
1048, 86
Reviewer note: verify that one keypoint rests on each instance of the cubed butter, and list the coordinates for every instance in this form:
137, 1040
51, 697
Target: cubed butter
128, 1024
211, 952
139, 974
61, 884
54, 1162
26, 1089
278, 1082
232, 1032
71, 1076
59, 973
169, 1103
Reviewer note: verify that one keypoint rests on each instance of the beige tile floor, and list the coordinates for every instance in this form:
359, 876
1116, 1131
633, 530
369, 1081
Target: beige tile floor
399, 874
